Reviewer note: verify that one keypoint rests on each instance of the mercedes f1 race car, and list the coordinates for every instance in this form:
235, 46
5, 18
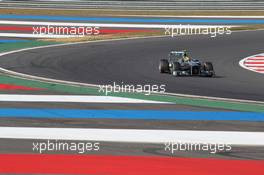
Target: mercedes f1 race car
179, 64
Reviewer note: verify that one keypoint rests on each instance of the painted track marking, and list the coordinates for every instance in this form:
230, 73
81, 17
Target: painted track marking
125, 165
119, 25
134, 19
130, 114
71, 99
134, 135
253, 63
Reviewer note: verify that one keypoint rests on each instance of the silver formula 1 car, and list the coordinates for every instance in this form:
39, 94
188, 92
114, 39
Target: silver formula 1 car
179, 64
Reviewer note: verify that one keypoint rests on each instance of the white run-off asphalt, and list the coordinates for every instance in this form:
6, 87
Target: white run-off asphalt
123, 25
253, 63
70, 98
135, 135
29, 35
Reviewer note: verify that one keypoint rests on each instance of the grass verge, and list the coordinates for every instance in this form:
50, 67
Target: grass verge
163, 98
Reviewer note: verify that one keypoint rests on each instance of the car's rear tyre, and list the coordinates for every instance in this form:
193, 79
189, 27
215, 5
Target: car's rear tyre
164, 66
195, 70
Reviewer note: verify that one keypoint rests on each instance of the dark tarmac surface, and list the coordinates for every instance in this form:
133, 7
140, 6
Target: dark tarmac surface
109, 148
136, 62
134, 124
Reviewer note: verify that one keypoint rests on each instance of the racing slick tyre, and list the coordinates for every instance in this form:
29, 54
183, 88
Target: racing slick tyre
195, 70
164, 66
175, 68
208, 66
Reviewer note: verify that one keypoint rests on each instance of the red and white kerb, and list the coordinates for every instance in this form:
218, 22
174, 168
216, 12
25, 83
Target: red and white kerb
254, 63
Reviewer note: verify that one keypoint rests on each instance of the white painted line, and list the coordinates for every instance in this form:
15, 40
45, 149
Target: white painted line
253, 61
159, 26
77, 84
255, 67
135, 135
70, 98
24, 35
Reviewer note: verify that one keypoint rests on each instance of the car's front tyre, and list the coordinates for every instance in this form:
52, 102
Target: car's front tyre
208, 67
163, 66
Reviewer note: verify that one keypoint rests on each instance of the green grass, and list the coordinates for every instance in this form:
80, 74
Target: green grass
4, 47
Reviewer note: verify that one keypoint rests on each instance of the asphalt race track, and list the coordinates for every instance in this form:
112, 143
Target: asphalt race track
136, 62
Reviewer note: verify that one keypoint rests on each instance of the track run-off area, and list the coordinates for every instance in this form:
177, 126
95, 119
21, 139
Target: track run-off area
132, 132
136, 62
